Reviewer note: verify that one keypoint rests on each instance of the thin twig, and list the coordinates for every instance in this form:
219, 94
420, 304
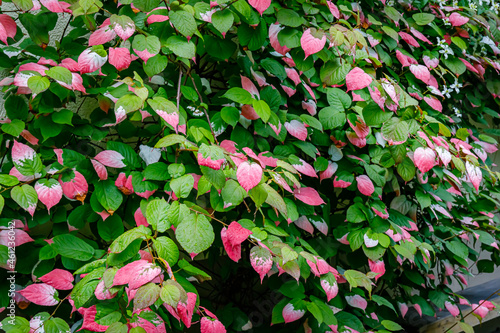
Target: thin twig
204, 110
64, 31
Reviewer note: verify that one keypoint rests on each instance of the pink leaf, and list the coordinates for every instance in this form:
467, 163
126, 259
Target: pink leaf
403, 308
312, 41
249, 175
102, 36
330, 287
431, 63
8, 28
357, 79
90, 61
365, 185
377, 267
339, 183
103, 293
185, 310
309, 196
136, 274
424, 159
421, 72
59, 279
75, 188
297, 129
304, 224
260, 5
40, 294
70, 64
409, 39
119, 57
124, 32
261, 261
305, 168
237, 234
474, 173
111, 158
211, 326
319, 223
360, 127
56, 6
208, 162
290, 314
310, 106
453, 308
357, 301
100, 169
330, 170
293, 75
157, 18
89, 322
233, 251
434, 103
248, 85
124, 183
457, 20
171, 118
356, 140
49, 192
20, 237
274, 29
333, 9
420, 36
21, 153
469, 66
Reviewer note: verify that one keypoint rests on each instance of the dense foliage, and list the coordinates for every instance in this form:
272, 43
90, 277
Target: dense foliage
316, 165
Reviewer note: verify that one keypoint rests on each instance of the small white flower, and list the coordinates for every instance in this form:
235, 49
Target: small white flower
446, 92
472, 6
456, 86
198, 113
446, 21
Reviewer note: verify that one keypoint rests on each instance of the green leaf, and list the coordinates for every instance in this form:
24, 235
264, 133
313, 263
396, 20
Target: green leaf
14, 128
166, 249
382, 301
223, 20
172, 293
61, 74
155, 65
356, 278
275, 199
239, 95
458, 248
333, 72
146, 5
262, 109
17, 324
230, 115
423, 18
129, 103
124, 240
374, 115
406, 169
355, 213
184, 22
274, 67
170, 140
391, 326
156, 214
195, 233
395, 131
38, 26
38, 84
455, 65
62, 117
466, 327
151, 44
181, 47
55, 325
424, 199
182, 186
111, 228
233, 194
16, 107
146, 295
24, 5
108, 195
290, 18
26, 197
72, 247
258, 195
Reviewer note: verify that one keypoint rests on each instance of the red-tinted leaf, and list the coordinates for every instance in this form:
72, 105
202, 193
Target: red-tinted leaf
249, 175
119, 57
40, 294
309, 196
59, 279
357, 79
310, 42
261, 261
457, 19
260, 5
136, 274
357, 301
20, 237
8, 27
111, 158
297, 129
49, 192
424, 159
90, 61
211, 326
291, 314
365, 185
